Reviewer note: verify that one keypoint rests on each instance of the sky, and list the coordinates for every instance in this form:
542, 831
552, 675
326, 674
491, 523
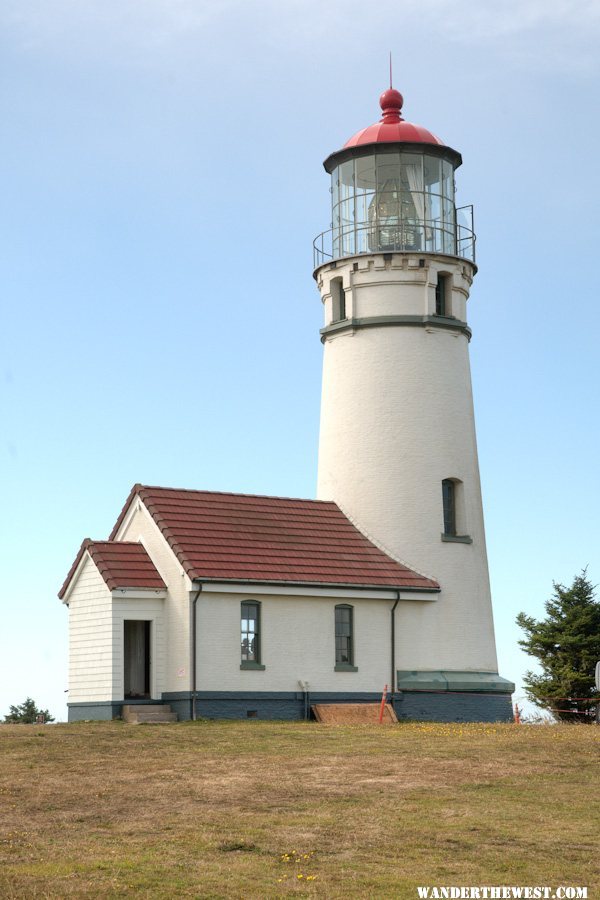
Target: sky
161, 184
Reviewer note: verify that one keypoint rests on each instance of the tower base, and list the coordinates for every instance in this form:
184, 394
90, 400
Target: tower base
422, 707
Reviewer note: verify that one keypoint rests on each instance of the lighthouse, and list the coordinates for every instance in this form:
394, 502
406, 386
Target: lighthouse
397, 447
230, 605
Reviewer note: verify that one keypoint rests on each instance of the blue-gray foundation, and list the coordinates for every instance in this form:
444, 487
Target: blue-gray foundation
427, 706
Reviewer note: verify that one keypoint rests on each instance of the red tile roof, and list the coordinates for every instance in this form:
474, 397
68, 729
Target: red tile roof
122, 565
241, 537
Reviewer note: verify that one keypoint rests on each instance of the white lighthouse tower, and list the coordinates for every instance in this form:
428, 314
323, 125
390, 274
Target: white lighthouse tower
397, 447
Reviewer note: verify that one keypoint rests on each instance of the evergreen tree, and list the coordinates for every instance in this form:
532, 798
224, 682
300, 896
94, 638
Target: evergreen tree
26, 714
567, 646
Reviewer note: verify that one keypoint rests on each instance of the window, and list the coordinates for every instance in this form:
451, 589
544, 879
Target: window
442, 296
455, 514
344, 638
338, 300
449, 502
250, 635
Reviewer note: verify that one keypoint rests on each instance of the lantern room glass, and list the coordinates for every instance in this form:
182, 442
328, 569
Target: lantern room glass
393, 201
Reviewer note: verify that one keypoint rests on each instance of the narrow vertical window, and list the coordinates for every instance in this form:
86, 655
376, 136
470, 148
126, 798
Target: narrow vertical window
449, 503
250, 633
344, 636
442, 298
455, 512
342, 302
338, 300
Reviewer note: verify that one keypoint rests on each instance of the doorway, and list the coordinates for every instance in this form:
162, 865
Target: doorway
136, 645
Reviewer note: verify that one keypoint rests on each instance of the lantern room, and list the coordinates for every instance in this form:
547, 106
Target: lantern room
393, 190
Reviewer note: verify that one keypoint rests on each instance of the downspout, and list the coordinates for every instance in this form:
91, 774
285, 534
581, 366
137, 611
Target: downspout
194, 655
305, 697
393, 635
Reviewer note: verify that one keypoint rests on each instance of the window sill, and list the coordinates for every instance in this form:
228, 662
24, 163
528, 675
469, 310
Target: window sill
457, 538
345, 667
249, 664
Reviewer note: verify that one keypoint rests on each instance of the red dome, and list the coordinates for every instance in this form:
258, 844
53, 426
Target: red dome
392, 128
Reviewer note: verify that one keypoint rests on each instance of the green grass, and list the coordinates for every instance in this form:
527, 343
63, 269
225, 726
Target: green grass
241, 809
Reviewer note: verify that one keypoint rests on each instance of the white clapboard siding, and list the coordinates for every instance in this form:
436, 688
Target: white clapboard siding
90, 637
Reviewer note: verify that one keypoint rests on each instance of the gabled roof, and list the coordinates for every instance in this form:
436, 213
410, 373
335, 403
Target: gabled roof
122, 564
247, 538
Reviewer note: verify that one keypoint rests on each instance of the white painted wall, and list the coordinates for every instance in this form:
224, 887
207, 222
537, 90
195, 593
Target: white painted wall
139, 526
396, 419
297, 642
399, 286
90, 637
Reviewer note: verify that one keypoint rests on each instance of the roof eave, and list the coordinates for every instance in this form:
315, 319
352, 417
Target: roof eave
345, 153
160, 592
320, 584
65, 589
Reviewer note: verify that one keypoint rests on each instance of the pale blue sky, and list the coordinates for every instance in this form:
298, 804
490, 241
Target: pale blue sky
161, 186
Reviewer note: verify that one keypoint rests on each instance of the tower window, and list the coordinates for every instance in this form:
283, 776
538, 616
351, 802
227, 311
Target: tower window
449, 503
442, 296
338, 300
250, 635
455, 513
344, 637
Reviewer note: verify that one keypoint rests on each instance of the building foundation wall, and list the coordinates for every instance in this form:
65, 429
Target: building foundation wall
290, 706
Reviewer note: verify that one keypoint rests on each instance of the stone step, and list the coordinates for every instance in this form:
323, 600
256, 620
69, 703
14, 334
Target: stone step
150, 713
166, 718
142, 714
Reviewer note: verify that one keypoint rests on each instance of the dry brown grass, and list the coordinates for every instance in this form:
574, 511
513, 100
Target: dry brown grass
211, 809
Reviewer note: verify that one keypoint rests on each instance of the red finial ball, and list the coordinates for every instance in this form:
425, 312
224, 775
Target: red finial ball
391, 103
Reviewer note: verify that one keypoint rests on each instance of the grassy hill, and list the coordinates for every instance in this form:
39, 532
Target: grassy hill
267, 809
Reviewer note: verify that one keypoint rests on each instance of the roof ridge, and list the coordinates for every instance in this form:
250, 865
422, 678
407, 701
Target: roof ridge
157, 487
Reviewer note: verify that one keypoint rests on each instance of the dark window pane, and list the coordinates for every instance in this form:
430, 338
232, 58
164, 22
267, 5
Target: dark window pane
448, 498
440, 296
342, 614
338, 300
343, 635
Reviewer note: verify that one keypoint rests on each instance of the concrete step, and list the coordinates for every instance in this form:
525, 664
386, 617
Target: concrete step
166, 718
148, 713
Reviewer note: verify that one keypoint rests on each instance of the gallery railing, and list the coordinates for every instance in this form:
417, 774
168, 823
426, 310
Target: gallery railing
387, 236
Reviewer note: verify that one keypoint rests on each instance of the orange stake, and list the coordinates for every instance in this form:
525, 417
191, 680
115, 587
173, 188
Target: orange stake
517, 715
382, 709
